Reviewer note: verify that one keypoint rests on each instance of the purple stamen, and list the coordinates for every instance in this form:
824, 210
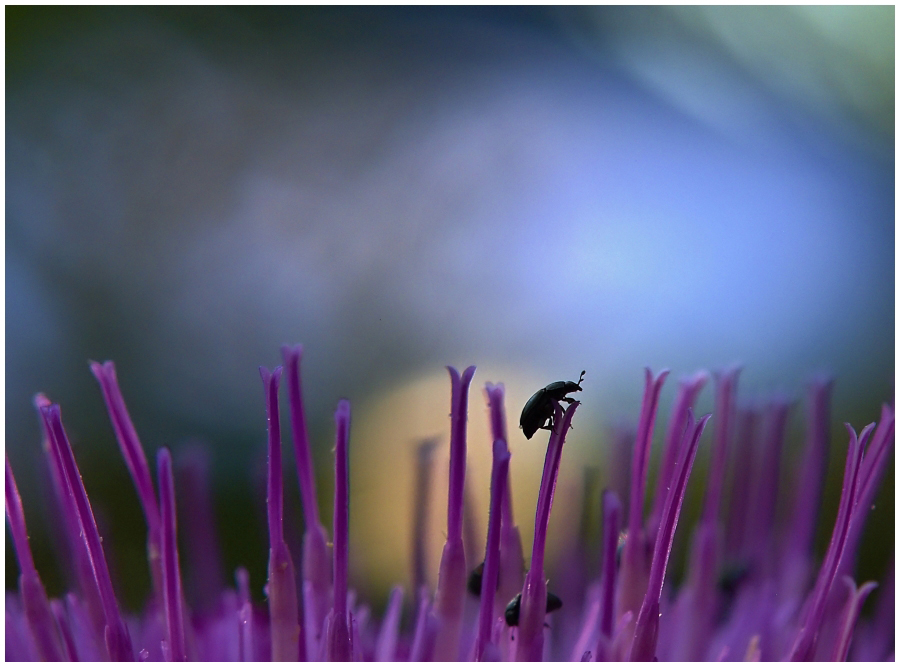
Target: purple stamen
133, 453
804, 645
292, 356
281, 588
802, 527
591, 621
316, 560
641, 460
245, 625
470, 527
695, 610
759, 603
245, 616
619, 462
621, 640
422, 634
855, 601
88, 643
386, 644
872, 470
744, 451
499, 475
548, 485
118, 642
530, 639
688, 389
242, 578
573, 565
206, 573
34, 597
495, 394
512, 558
726, 383
634, 567
696, 605
171, 572
875, 639
647, 626
875, 458
760, 524
341, 506
612, 512
19, 646
512, 565
355, 634
458, 418
339, 644
70, 653
78, 555
451, 589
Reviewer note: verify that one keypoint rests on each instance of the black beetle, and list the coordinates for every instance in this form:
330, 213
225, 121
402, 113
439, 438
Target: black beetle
511, 613
515, 605
538, 411
473, 583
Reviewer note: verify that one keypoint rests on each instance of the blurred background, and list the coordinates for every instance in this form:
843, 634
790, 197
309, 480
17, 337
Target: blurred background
534, 191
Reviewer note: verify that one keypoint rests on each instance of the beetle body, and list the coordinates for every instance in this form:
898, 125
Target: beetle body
511, 613
538, 411
473, 583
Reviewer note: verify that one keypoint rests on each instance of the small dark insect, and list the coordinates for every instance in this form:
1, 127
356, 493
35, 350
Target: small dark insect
512, 609
473, 583
538, 411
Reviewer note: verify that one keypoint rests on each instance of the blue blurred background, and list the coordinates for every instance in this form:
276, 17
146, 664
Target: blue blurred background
535, 191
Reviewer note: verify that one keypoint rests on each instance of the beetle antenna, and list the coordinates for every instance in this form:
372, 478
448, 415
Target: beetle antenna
580, 378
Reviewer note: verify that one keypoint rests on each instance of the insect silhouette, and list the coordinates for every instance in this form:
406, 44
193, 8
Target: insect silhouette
511, 613
515, 605
473, 583
538, 411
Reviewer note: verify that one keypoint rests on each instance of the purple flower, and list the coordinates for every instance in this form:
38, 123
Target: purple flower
753, 587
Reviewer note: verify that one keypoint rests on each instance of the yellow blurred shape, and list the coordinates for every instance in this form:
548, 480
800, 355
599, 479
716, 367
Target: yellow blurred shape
387, 432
